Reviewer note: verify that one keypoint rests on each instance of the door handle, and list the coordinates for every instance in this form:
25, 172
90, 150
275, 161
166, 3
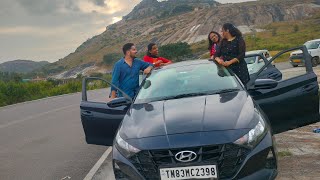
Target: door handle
86, 113
272, 75
309, 87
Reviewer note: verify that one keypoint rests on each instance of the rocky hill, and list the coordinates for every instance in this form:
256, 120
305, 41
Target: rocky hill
164, 9
21, 66
184, 20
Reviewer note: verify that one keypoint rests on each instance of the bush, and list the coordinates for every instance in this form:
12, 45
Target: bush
110, 59
176, 52
15, 92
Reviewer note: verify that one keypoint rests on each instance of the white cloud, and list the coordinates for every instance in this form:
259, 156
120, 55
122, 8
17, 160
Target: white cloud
51, 29
116, 19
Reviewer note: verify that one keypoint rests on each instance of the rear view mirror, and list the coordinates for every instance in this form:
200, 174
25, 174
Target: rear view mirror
265, 84
117, 102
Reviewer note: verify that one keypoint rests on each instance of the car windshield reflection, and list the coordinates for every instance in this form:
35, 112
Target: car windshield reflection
186, 81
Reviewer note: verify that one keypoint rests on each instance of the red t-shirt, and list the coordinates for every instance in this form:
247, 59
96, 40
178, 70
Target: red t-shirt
154, 60
213, 50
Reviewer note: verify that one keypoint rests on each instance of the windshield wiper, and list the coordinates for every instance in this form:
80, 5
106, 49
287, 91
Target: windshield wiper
200, 94
226, 90
184, 95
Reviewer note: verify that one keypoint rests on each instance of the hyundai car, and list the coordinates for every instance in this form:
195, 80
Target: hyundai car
196, 120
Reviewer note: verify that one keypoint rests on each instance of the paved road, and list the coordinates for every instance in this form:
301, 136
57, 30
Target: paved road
44, 140
283, 65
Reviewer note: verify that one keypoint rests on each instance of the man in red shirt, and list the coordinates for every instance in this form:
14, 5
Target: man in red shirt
153, 58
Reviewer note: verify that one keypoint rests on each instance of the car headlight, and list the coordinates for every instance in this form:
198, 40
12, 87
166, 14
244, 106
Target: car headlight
254, 136
125, 148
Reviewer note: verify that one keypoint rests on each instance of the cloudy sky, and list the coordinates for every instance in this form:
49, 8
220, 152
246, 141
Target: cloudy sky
51, 29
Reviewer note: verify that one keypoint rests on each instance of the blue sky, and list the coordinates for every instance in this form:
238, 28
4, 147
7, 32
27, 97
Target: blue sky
51, 29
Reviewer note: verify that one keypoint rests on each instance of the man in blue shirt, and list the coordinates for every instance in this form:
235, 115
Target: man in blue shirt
125, 73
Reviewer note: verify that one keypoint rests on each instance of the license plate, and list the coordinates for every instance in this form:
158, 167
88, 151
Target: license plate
297, 60
193, 172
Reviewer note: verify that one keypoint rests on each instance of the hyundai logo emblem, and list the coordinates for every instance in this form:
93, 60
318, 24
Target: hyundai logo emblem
186, 156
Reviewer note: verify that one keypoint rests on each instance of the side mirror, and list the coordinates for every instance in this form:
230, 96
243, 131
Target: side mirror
265, 84
146, 84
117, 102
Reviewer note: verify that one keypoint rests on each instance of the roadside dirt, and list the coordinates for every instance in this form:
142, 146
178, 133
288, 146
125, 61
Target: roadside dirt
299, 154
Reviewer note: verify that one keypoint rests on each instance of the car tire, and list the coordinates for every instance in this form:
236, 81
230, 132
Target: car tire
318, 60
314, 61
294, 65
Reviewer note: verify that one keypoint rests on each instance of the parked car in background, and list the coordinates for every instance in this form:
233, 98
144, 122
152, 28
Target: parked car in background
254, 63
313, 47
259, 58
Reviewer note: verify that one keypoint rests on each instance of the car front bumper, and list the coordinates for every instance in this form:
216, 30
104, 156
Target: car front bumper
297, 60
260, 163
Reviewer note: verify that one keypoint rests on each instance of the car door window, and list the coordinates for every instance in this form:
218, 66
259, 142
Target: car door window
288, 65
100, 119
254, 63
291, 64
100, 94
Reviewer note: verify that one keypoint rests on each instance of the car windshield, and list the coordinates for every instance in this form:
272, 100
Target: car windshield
312, 45
186, 81
250, 60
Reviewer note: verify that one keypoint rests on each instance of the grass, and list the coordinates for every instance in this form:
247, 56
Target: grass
15, 92
283, 58
283, 35
284, 153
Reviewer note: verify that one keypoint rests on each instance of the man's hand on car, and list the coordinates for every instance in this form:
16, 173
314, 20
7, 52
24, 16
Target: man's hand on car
113, 95
147, 70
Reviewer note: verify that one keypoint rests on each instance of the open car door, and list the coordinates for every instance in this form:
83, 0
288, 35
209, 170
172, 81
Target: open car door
269, 72
294, 102
100, 120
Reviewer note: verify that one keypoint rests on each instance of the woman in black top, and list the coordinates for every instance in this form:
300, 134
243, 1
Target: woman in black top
231, 52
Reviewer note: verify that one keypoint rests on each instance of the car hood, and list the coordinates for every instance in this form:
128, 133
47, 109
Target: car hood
219, 112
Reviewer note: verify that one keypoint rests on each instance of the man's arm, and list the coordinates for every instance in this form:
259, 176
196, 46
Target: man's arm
165, 61
115, 80
147, 70
145, 67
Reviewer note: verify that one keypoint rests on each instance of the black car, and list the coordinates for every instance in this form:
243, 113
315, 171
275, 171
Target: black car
195, 120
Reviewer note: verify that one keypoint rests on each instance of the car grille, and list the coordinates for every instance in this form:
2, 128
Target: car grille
227, 157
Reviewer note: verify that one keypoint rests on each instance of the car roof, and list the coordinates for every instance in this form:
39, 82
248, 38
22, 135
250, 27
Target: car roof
257, 51
186, 63
313, 40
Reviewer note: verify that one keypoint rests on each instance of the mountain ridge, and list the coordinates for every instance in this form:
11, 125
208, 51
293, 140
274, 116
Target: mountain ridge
22, 66
191, 26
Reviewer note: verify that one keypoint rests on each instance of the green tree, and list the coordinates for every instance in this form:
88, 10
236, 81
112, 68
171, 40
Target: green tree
176, 52
110, 59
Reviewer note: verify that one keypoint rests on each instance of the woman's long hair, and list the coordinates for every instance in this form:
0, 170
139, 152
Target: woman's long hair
235, 32
211, 42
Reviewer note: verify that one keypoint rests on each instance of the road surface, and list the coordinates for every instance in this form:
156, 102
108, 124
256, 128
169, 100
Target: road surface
44, 139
